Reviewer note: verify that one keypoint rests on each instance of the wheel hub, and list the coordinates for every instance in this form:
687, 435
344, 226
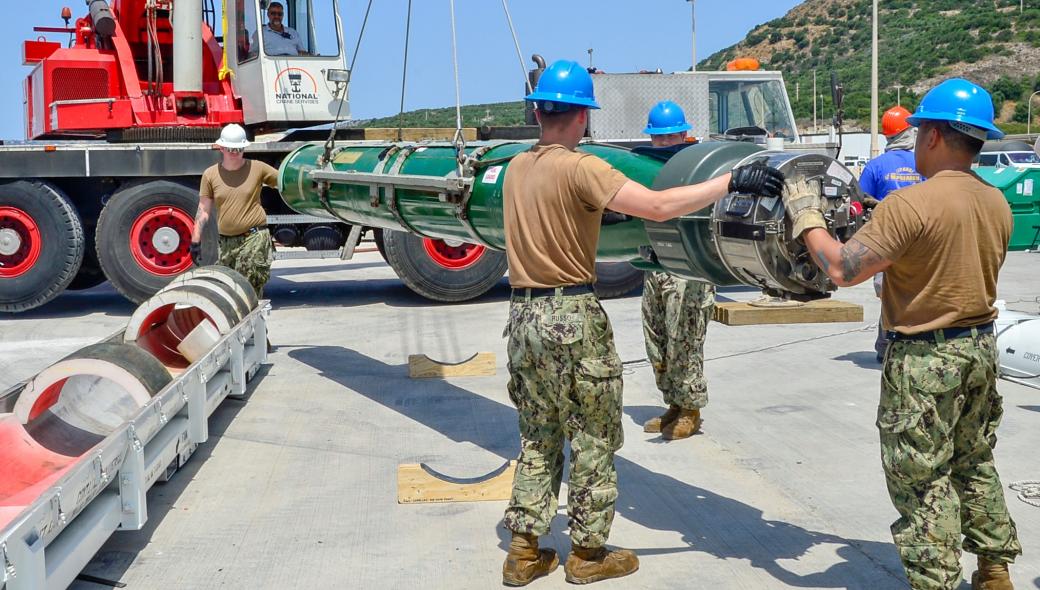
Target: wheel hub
20, 242
453, 254
10, 242
159, 239
166, 240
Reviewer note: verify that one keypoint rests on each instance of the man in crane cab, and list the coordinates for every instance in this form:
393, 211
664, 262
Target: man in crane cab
234, 185
278, 38
676, 312
565, 374
941, 244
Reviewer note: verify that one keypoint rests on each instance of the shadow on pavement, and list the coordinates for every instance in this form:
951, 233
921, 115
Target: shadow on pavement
102, 299
640, 414
708, 523
1031, 409
392, 292
862, 359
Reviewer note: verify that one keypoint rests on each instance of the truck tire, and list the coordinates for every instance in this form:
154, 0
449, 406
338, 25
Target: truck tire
90, 273
41, 244
615, 279
443, 271
377, 237
143, 235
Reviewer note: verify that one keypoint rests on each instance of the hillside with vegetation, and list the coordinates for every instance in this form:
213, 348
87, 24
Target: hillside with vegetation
990, 42
502, 114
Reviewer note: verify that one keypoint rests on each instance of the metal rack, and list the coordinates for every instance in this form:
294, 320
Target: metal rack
51, 541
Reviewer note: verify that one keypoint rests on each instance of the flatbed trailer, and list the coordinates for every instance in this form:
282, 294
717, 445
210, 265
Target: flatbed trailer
74, 214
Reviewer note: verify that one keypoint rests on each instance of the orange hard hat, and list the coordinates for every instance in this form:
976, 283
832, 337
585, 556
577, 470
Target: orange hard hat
893, 122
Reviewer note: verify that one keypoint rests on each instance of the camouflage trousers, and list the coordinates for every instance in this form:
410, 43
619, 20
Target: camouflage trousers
250, 255
938, 421
565, 380
676, 313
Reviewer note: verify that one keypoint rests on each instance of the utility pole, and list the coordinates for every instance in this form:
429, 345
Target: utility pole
874, 150
693, 34
899, 95
590, 57
1029, 114
815, 129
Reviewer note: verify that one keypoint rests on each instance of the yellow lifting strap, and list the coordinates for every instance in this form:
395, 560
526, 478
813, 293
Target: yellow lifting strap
225, 72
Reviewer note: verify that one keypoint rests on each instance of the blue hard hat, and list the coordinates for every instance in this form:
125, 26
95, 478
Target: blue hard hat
966, 106
564, 82
666, 117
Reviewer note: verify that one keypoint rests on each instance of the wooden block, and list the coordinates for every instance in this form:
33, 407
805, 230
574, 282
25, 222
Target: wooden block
418, 133
737, 313
418, 484
421, 366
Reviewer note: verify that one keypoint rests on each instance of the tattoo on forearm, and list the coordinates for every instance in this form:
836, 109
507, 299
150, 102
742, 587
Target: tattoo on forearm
854, 258
824, 263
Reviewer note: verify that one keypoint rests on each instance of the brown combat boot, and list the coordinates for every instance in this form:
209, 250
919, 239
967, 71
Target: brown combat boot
655, 424
525, 561
991, 576
587, 565
688, 423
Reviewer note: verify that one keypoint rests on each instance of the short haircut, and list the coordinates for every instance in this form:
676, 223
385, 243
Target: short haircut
275, 3
555, 118
961, 142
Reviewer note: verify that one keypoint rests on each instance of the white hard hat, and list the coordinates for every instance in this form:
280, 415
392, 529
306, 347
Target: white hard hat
233, 137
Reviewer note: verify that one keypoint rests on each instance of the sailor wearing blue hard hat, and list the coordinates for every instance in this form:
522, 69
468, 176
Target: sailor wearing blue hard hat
565, 373
675, 311
941, 244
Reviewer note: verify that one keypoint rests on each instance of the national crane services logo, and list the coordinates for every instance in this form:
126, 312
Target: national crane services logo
295, 86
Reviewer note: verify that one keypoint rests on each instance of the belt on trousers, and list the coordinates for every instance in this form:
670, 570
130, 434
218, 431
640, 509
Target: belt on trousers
553, 291
947, 333
251, 230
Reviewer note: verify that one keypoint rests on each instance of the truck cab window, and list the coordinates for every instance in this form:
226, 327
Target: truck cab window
750, 104
248, 47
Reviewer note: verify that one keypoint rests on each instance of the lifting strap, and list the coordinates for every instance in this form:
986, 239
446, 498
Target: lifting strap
404, 72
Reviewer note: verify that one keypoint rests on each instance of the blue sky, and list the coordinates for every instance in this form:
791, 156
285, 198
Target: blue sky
625, 35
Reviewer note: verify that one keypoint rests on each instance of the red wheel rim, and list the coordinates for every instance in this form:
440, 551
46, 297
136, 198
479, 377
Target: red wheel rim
454, 257
159, 240
20, 242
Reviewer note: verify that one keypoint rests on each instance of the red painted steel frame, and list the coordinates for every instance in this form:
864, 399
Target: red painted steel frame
124, 102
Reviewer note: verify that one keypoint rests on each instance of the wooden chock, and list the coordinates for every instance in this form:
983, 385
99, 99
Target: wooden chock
418, 483
819, 311
481, 364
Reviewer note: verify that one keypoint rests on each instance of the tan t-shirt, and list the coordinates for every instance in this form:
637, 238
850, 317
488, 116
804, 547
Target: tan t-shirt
554, 199
237, 193
947, 239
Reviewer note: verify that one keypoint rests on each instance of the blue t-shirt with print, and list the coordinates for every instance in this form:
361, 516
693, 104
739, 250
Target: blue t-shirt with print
888, 172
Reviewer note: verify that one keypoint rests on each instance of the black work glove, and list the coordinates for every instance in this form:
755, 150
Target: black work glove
195, 249
757, 179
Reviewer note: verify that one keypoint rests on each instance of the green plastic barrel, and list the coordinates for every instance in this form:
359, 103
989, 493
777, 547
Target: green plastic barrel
1021, 188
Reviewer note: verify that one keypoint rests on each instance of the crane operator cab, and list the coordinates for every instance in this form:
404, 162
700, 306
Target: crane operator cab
287, 56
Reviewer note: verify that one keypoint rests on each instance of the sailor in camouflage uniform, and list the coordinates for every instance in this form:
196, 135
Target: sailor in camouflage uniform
565, 375
941, 244
234, 185
676, 312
